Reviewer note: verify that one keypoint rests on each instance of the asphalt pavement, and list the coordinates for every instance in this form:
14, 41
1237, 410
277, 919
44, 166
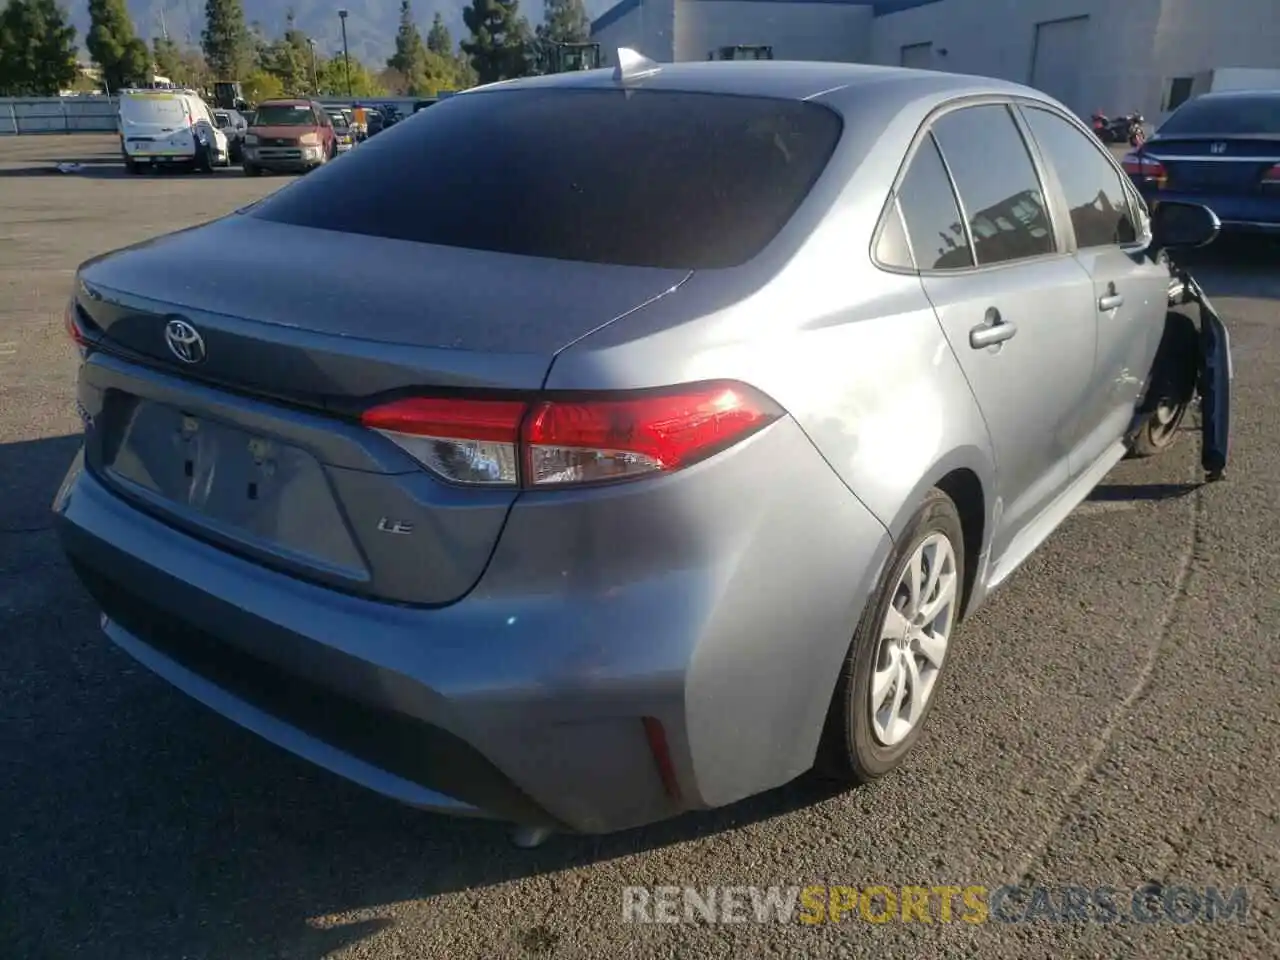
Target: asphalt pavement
1111, 718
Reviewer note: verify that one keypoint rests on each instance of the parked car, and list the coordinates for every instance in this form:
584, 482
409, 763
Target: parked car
294, 135
344, 136
1221, 150
169, 127
689, 502
234, 126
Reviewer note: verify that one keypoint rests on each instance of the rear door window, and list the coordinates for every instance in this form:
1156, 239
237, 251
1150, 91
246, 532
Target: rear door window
932, 216
1095, 194
632, 177
999, 189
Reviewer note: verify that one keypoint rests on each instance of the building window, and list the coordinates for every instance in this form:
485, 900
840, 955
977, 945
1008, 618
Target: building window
918, 56
1179, 92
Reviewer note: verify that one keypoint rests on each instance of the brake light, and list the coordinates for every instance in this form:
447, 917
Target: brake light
1272, 177
1137, 164
72, 325
538, 443
466, 441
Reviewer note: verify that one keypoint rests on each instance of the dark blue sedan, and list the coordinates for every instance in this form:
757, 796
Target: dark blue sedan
1221, 150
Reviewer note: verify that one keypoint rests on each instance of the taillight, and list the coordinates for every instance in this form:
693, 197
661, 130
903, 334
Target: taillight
1272, 177
1137, 164
462, 440
72, 324
539, 443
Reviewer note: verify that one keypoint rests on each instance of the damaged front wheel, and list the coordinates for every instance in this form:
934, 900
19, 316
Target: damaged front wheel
1172, 390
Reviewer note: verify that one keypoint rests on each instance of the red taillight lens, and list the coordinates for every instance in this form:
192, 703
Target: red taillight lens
608, 439
1272, 177
462, 440
567, 441
1136, 164
72, 324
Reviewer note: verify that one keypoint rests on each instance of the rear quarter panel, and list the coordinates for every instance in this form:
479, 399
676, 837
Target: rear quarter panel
855, 354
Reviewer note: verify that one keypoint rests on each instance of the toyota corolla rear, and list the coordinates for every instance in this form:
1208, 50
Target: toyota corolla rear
324, 491
1220, 150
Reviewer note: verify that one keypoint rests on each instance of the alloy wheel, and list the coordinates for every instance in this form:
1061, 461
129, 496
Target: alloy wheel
913, 640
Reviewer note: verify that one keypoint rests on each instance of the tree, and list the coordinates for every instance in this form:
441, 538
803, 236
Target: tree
439, 40
333, 79
565, 21
37, 49
289, 59
225, 39
410, 50
183, 65
500, 44
124, 59
261, 85
167, 58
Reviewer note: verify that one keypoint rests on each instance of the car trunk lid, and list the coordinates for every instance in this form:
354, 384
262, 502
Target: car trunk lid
254, 446
1223, 166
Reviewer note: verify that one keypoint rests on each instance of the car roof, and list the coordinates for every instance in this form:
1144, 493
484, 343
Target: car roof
286, 102
784, 79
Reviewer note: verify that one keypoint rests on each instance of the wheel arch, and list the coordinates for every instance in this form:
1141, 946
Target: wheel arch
966, 475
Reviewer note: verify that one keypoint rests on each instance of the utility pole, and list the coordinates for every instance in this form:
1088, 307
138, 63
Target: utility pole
315, 81
346, 57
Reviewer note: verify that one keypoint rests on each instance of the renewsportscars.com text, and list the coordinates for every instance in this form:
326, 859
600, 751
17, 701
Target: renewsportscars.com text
972, 904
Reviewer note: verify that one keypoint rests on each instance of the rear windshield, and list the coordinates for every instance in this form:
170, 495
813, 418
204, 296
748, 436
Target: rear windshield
154, 108
1226, 116
284, 115
637, 178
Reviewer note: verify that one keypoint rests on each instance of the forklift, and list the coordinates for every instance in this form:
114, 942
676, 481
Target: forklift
742, 51
229, 95
568, 57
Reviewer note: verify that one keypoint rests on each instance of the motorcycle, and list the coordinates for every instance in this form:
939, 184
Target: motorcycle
1127, 129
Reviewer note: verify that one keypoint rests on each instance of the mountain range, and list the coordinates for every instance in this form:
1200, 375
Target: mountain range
371, 24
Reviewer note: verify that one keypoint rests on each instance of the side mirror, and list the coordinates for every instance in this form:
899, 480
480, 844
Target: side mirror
1183, 226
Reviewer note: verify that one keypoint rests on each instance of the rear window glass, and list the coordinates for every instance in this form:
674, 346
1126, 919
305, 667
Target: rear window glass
153, 109
285, 115
638, 178
1226, 116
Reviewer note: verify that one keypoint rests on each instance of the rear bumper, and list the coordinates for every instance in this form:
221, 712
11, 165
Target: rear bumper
524, 701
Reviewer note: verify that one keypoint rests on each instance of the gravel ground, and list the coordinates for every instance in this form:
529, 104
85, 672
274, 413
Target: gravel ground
1112, 718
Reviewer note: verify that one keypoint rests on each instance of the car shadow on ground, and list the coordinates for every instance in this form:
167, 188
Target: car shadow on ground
105, 169
142, 824
1149, 492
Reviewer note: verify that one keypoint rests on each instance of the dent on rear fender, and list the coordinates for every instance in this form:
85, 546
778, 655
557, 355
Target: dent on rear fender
890, 409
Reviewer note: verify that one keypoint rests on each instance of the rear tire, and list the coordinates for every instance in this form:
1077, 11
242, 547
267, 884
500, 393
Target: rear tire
203, 162
1173, 384
864, 739
132, 167
251, 170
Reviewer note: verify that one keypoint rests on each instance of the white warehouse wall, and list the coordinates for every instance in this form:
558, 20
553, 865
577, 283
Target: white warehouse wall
648, 26
997, 38
795, 30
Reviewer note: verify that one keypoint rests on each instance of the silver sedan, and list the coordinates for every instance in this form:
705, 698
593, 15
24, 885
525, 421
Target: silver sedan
597, 447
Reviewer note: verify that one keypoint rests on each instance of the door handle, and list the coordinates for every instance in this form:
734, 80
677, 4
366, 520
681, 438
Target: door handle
994, 331
1110, 302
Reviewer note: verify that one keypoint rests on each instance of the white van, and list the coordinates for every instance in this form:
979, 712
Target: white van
169, 128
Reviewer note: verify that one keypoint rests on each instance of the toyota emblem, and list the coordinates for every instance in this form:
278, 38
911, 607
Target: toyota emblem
184, 341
